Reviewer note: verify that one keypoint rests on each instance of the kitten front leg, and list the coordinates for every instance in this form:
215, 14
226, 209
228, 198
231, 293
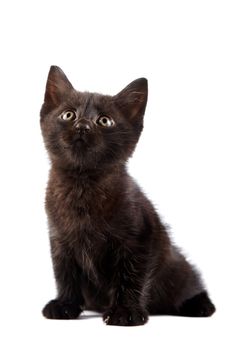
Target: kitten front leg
129, 308
61, 310
69, 301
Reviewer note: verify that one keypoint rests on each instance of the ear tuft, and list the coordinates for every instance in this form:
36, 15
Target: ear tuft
132, 99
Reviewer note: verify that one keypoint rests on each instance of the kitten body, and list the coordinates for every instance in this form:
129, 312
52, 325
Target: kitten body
111, 253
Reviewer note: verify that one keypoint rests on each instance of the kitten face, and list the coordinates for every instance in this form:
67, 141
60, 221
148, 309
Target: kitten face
88, 130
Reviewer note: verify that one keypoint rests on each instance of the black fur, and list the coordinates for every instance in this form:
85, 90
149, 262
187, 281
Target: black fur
111, 253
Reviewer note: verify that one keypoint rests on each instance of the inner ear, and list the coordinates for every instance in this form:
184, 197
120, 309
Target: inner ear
57, 87
133, 98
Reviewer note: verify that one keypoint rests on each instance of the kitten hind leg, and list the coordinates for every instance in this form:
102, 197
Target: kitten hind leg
179, 291
198, 306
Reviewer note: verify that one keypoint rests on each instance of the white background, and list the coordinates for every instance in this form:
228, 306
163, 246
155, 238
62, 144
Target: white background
183, 160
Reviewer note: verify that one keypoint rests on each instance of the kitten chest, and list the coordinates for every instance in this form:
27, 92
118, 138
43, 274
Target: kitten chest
77, 206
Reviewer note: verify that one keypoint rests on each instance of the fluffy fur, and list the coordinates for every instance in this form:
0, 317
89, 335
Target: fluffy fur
111, 253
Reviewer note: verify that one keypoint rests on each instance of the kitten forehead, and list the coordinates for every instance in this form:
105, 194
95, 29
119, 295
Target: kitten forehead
87, 101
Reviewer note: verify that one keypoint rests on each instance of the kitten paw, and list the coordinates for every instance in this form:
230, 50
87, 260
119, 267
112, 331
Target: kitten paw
62, 310
123, 316
198, 306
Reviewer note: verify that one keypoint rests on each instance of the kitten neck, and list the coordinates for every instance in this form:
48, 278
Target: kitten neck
94, 174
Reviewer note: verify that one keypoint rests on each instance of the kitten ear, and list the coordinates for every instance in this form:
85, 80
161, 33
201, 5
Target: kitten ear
133, 98
57, 86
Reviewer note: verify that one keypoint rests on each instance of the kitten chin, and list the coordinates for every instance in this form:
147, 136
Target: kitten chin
111, 252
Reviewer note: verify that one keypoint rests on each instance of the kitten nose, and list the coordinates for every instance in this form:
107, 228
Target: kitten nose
82, 127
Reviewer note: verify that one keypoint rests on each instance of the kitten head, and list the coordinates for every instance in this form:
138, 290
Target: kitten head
89, 130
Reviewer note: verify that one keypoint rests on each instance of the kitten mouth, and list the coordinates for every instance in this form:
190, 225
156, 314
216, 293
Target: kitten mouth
80, 143
76, 143
79, 139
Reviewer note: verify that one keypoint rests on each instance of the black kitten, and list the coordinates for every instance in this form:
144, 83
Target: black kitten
111, 253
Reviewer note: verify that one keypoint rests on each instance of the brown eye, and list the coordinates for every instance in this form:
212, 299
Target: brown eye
105, 121
69, 115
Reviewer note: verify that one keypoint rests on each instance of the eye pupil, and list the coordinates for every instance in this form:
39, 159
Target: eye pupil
105, 121
69, 115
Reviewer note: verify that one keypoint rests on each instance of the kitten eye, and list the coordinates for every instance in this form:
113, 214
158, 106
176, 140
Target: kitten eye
69, 115
105, 121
